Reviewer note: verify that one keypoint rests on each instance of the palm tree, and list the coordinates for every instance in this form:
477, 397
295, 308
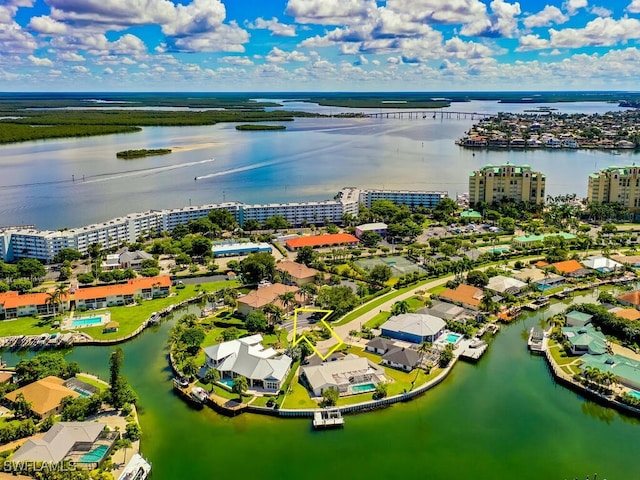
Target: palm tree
274, 313
400, 307
307, 290
287, 299
52, 300
211, 376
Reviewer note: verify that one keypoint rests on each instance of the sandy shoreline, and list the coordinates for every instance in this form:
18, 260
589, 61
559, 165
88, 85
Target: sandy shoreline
195, 146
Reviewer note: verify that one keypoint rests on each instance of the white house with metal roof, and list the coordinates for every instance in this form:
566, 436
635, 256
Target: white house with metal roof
602, 264
413, 327
264, 368
502, 284
343, 375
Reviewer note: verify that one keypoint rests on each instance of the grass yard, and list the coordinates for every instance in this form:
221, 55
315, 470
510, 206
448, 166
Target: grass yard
102, 386
378, 320
298, 397
557, 354
415, 303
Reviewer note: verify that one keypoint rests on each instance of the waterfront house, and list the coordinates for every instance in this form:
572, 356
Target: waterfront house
401, 358
571, 268
626, 313
146, 288
14, 305
348, 375
70, 441
543, 279
296, 273
509, 285
379, 345
449, 311
630, 299
602, 264
44, 395
264, 368
577, 319
413, 327
585, 340
257, 299
626, 370
466, 295
630, 260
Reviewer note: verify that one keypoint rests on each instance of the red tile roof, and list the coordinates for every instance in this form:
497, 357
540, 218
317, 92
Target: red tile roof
631, 297
464, 294
628, 313
295, 269
129, 288
14, 300
568, 266
321, 240
260, 297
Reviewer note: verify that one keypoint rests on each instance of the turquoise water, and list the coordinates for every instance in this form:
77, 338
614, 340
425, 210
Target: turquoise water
226, 381
85, 322
94, 455
634, 394
499, 249
453, 337
365, 387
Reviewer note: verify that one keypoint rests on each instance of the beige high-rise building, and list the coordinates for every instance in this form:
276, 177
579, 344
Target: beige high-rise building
616, 184
493, 183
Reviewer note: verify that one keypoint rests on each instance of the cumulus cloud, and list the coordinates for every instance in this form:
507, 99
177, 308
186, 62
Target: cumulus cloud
330, 12
634, 7
601, 11
277, 55
276, 28
81, 69
70, 57
597, 33
547, 16
40, 62
502, 22
244, 61
47, 25
572, 6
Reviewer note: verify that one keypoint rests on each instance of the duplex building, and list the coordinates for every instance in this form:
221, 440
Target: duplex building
493, 183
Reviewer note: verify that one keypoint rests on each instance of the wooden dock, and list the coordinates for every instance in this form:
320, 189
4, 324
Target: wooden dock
535, 343
474, 351
328, 419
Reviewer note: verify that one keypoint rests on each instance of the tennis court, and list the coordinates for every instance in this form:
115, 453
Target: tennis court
399, 265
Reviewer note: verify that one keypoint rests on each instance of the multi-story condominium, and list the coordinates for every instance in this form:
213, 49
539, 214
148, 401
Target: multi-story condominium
616, 184
411, 198
493, 183
18, 242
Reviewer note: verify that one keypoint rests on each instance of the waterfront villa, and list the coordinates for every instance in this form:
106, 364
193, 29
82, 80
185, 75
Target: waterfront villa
256, 299
509, 285
296, 273
571, 268
577, 319
626, 370
352, 374
401, 358
448, 311
44, 395
413, 327
264, 368
631, 299
602, 264
14, 305
86, 444
466, 295
541, 278
585, 340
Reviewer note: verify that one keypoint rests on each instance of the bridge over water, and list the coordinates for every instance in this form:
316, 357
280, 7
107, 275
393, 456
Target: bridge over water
429, 114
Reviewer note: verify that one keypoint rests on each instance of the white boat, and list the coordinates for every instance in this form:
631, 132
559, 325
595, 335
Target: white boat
199, 394
137, 469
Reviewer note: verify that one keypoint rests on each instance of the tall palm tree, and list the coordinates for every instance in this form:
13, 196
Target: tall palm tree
400, 307
63, 291
287, 299
52, 300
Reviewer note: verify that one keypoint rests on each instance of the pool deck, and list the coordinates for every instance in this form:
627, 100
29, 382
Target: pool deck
67, 323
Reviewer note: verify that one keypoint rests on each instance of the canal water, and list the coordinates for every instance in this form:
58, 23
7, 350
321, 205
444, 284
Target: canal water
501, 418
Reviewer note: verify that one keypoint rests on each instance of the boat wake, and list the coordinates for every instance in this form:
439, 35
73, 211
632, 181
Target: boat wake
105, 177
239, 169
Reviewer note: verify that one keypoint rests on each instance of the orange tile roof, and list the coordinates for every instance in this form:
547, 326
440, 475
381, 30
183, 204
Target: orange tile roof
260, 297
628, 313
6, 376
321, 240
631, 297
13, 300
44, 395
129, 288
568, 266
296, 270
541, 263
464, 293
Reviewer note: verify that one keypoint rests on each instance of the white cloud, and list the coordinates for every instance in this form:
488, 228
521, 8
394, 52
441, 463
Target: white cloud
128, 44
243, 61
440, 12
277, 55
601, 11
225, 38
572, 6
634, 7
505, 23
15, 40
276, 28
330, 12
80, 69
47, 25
598, 32
40, 62
547, 16
531, 42
70, 57
108, 71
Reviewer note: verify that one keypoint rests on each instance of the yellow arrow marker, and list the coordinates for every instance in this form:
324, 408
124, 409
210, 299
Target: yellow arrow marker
297, 339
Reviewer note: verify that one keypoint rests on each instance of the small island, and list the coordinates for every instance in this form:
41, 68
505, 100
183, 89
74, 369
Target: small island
250, 126
128, 154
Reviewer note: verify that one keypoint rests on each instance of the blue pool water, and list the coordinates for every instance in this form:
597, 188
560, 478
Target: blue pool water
226, 381
453, 337
634, 394
499, 249
86, 322
365, 387
94, 455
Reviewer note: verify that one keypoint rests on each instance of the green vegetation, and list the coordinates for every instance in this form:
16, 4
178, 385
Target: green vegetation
298, 397
249, 126
144, 152
100, 385
12, 132
43, 365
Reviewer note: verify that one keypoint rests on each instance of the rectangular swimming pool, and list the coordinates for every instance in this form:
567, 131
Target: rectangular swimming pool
453, 337
226, 381
634, 394
86, 322
364, 387
94, 455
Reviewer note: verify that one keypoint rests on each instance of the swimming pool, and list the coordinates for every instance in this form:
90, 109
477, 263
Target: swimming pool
226, 381
634, 394
364, 387
86, 322
94, 455
499, 249
453, 337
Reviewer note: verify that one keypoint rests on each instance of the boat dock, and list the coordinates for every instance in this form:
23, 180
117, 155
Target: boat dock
137, 469
475, 350
536, 340
328, 419
538, 303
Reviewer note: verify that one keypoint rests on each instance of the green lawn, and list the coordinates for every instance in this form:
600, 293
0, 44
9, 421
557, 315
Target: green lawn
378, 320
556, 351
414, 303
437, 290
298, 397
102, 386
262, 401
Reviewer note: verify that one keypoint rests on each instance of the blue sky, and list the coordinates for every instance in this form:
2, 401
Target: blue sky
319, 45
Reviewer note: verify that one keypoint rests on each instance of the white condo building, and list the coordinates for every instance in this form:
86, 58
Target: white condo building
20, 242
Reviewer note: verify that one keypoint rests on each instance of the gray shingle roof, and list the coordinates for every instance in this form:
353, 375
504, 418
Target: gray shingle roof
403, 356
415, 324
